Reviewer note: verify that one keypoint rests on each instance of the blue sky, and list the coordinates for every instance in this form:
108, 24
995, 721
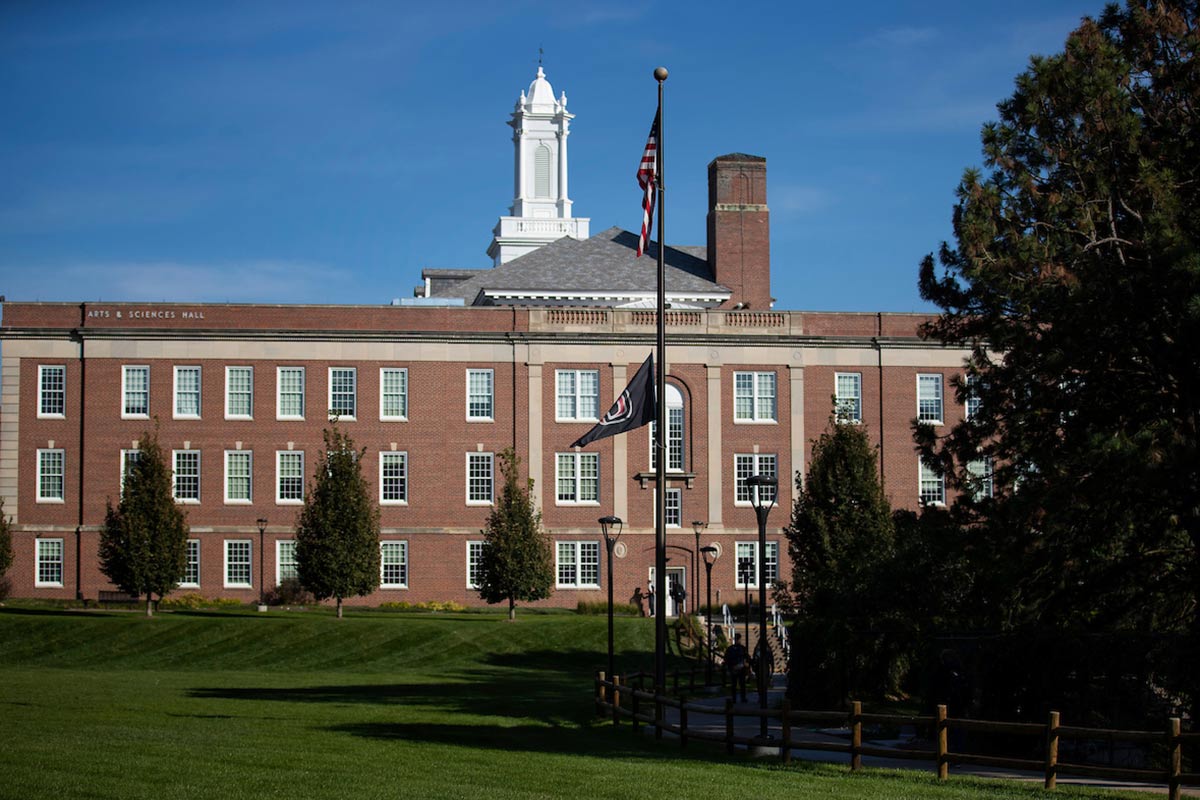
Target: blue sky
327, 152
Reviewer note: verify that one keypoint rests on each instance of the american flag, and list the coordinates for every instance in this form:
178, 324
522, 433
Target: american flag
647, 177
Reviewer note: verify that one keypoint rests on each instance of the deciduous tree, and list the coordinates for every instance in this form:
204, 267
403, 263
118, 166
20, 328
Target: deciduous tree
517, 562
337, 535
143, 544
6, 550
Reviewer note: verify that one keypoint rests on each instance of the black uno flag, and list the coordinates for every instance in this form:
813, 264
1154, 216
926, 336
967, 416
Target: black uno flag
633, 409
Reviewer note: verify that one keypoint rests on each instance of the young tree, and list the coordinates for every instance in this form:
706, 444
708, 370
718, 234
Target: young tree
517, 562
337, 535
6, 550
143, 544
841, 539
1076, 282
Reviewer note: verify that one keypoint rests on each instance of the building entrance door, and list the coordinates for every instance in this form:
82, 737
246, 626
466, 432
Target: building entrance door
675, 575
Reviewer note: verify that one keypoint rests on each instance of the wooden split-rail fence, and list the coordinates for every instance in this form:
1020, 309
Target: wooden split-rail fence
620, 698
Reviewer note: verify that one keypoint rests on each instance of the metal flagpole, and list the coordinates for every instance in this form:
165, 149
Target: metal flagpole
660, 433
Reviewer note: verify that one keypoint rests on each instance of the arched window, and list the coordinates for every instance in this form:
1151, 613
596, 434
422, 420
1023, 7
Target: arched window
541, 171
674, 403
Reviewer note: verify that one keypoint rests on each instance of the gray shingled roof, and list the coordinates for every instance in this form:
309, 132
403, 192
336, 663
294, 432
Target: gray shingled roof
604, 262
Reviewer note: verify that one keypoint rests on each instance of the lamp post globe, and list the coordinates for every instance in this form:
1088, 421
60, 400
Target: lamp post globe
762, 497
710, 554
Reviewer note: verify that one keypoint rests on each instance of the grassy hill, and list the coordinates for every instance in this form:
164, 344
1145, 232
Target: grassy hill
299, 705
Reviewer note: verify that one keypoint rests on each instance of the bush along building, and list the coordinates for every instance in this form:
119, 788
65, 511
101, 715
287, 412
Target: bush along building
526, 354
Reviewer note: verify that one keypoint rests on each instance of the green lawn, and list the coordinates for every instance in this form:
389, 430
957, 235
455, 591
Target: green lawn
300, 705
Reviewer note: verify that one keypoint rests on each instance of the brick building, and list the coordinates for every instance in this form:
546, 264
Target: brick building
526, 354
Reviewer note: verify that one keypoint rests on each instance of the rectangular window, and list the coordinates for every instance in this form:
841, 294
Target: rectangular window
49, 562
747, 564
343, 392
577, 476
578, 395
479, 479
239, 392
578, 565
135, 392
974, 384
932, 485
191, 567
393, 478
848, 396
393, 565
479, 394
285, 561
674, 440
474, 564
747, 464
238, 464
289, 476
238, 563
187, 392
52, 391
674, 512
754, 397
393, 393
929, 399
289, 391
980, 470
128, 459
187, 476
51, 477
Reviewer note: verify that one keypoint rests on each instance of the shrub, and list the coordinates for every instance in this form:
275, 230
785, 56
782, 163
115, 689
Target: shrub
193, 600
289, 592
601, 609
430, 605
5, 588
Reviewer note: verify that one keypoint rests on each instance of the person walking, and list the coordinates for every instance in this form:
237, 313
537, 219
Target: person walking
737, 662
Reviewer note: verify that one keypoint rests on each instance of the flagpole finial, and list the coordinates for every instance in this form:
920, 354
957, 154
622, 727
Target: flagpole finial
660, 74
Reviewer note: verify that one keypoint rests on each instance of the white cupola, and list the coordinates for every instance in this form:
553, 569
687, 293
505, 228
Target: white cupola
541, 208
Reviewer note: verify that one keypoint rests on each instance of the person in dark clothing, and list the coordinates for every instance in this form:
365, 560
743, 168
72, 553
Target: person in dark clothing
737, 662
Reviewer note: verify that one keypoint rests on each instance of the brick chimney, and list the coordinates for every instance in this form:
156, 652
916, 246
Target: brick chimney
739, 231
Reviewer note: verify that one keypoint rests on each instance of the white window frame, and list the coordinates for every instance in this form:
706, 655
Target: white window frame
41, 560
674, 515
191, 564
755, 462
393, 544
676, 422
43, 456
757, 397
982, 470
199, 391
576, 396
175, 454
771, 564
490, 416
925, 382
476, 499
402, 372
972, 402
279, 392
474, 562
126, 371
927, 476
280, 457
575, 477
128, 457
353, 373
575, 562
248, 547
394, 455
842, 403
59, 392
280, 546
249, 477
229, 372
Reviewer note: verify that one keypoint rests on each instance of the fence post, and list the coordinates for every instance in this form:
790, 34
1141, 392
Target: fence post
635, 703
600, 693
616, 699
856, 736
943, 763
729, 724
1052, 750
785, 748
683, 722
1174, 758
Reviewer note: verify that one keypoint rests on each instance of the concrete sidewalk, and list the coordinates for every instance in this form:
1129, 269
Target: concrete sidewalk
745, 726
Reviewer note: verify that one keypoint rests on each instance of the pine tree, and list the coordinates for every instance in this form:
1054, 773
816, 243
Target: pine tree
337, 535
143, 544
517, 561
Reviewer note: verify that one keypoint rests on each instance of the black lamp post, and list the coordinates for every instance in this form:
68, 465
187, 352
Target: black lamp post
610, 541
762, 497
698, 527
262, 557
710, 555
745, 565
